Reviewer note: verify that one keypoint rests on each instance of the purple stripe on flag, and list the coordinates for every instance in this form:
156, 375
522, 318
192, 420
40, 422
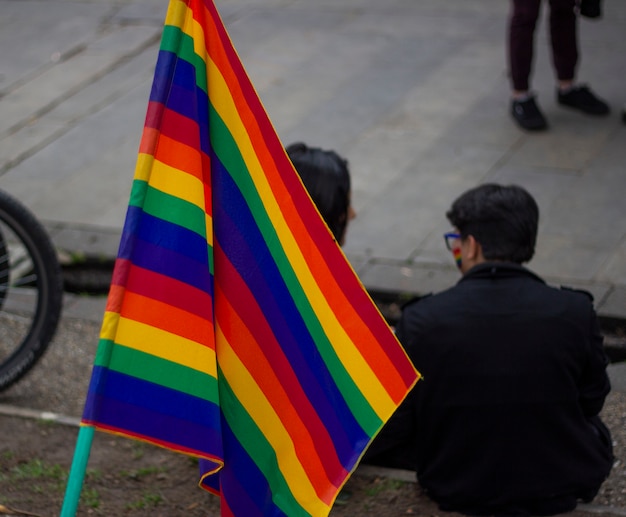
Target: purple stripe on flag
167, 262
149, 410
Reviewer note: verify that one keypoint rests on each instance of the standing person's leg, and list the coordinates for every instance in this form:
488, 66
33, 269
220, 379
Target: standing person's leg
521, 42
564, 40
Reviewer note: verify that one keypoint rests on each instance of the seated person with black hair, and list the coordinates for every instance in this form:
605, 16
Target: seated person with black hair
326, 177
505, 420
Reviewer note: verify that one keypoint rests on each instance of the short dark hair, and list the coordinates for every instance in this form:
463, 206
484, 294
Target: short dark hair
326, 176
503, 219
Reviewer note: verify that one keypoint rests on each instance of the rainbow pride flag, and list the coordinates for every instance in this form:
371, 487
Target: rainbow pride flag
235, 330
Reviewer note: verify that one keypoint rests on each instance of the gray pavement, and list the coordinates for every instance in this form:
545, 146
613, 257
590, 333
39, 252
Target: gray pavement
413, 93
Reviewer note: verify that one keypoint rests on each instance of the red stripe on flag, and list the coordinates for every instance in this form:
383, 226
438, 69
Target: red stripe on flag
166, 317
168, 290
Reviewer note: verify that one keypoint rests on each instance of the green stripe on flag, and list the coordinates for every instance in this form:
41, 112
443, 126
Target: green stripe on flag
179, 43
168, 208
159, 371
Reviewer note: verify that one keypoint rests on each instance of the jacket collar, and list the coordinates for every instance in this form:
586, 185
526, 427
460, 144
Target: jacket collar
497, 270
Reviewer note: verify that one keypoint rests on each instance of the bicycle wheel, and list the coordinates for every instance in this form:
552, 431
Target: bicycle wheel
31, 290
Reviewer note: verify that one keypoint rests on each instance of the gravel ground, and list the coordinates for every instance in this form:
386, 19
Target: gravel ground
613, 491
58, 383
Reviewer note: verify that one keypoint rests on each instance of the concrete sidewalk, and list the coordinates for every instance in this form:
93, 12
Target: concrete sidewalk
414, 94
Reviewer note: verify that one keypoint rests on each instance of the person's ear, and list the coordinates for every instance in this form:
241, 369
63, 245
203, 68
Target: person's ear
474, 249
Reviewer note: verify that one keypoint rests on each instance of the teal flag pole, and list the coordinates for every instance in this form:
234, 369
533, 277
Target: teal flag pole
77, 471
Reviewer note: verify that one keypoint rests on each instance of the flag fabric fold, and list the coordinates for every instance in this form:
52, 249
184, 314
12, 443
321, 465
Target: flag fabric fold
235, 330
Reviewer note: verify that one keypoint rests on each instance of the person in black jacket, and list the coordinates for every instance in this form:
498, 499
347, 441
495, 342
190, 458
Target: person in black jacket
505, 420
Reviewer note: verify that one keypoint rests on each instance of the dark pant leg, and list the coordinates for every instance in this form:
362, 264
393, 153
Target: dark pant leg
393, 447
564, 39
521, 39
605, 449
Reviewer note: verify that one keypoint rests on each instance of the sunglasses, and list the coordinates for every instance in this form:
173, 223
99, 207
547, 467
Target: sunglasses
452, 243
450, 239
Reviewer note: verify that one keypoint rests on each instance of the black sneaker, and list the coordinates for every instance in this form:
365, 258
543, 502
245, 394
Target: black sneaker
582, 98
527, 114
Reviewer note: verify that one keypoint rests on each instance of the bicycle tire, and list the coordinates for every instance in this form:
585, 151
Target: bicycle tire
32, 290
4, 270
